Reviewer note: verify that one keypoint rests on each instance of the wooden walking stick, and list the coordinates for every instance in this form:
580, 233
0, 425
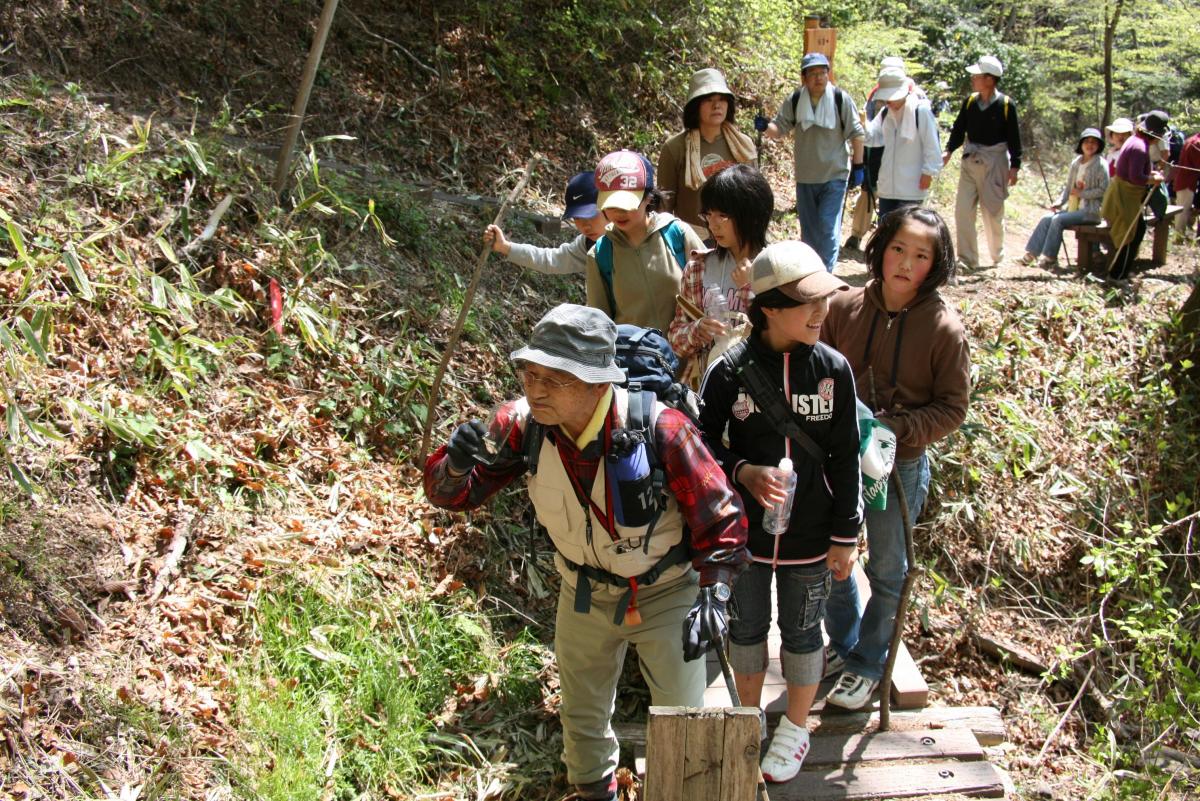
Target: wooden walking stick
468, 299
910, 579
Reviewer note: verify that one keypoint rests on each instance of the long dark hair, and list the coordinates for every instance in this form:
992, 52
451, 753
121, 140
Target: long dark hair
691, 111
943, 245
742, 193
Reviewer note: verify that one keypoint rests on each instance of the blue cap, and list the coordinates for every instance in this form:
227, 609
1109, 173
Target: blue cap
580, 197
813, 60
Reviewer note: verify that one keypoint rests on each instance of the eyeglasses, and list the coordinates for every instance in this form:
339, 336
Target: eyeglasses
709, 217
528, 379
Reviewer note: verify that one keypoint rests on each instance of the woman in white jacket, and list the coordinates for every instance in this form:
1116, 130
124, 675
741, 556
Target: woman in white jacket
908, 133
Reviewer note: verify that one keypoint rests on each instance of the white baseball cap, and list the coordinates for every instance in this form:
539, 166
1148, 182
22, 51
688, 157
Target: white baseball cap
987, 65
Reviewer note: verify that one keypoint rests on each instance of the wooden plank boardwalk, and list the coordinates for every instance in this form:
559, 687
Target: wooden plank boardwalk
928, 751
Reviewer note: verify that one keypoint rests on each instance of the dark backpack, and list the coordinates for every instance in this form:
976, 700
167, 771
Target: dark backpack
676, 241
1175, 140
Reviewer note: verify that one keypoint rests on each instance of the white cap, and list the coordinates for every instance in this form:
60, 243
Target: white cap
987, 65
785, 465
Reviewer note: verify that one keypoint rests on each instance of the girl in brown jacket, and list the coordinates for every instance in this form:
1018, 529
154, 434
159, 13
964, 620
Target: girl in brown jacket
911, 364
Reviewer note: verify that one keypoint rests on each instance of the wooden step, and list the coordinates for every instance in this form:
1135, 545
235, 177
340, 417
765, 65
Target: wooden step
982, 721
928, 752
855, 781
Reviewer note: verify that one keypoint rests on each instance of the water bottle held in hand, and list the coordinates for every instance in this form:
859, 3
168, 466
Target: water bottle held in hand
716, 305
777, 518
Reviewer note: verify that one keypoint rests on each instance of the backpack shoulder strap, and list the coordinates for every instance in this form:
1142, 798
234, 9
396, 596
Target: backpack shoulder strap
604, 261
641, 416
677, 241
769, 401
535, 434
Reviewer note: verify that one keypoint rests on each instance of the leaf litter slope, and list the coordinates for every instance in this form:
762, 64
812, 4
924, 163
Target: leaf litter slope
259, 446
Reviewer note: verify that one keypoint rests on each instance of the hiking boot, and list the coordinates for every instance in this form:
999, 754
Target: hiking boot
852, 691
788, 749
835, 663
603, 790
851, 244
1048, 263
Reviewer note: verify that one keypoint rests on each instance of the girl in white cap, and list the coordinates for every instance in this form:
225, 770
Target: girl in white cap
708, 142
809, 384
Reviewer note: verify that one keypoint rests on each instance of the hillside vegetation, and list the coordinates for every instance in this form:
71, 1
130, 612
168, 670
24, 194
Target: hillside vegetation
218, 576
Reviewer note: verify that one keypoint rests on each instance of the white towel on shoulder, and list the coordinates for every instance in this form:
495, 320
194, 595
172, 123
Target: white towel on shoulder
908, 118
823, 116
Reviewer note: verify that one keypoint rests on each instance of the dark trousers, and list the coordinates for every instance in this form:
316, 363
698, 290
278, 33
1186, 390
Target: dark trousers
1122, 260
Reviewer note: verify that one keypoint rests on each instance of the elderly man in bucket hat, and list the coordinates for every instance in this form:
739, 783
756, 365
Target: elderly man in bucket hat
708, 143
987, 129
828, 131
625, 579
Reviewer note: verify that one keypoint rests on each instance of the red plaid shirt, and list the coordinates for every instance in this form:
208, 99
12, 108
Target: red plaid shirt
682, 333
710, 508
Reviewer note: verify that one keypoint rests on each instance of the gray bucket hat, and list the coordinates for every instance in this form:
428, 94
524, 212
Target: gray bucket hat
578, 340
706, 82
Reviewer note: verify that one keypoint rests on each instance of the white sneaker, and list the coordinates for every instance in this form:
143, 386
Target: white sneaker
851, 691
788, 749
835, 663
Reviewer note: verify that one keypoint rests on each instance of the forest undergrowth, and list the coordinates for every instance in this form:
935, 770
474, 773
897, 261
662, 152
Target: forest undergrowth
219, 579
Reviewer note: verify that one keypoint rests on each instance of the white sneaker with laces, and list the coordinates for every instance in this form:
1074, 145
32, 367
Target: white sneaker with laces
786, 754
834, 662
851, 691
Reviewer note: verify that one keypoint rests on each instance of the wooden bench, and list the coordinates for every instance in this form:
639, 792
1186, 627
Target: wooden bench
1086, 235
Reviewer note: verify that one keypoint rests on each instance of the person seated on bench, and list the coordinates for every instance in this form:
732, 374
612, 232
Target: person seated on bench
1087, 178
1124, 201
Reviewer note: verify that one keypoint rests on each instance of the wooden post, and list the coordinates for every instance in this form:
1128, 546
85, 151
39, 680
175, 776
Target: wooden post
709, 753
820, 40
301, 104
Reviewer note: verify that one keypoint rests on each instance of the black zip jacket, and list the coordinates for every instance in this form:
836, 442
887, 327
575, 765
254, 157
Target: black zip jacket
820, 389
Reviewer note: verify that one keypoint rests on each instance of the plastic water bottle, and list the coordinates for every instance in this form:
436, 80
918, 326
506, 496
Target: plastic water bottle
777, 518
716, 305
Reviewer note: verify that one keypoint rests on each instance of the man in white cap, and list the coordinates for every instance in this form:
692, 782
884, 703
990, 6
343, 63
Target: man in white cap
906, 132
827, 130
987, 129
630, 573
864, 208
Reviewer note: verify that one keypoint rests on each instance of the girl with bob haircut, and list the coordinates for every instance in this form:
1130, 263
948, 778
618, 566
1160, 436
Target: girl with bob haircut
814, 383
737, 203
908, 350
708, 143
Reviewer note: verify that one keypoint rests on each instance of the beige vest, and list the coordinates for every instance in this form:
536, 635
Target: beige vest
559, 510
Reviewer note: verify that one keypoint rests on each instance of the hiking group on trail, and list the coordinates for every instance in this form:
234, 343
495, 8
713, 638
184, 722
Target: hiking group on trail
671, 514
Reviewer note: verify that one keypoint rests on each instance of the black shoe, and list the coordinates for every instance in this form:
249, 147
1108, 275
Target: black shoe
851, 243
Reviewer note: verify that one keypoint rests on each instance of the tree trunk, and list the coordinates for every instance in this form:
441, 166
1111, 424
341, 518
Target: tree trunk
1110, 30
1187, 345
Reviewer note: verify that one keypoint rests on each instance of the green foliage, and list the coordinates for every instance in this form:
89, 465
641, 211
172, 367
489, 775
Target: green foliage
1078, 415
354, 684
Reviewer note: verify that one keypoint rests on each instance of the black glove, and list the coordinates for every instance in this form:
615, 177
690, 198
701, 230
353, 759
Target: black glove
761, 123
705, 626
857, 173
465, 442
